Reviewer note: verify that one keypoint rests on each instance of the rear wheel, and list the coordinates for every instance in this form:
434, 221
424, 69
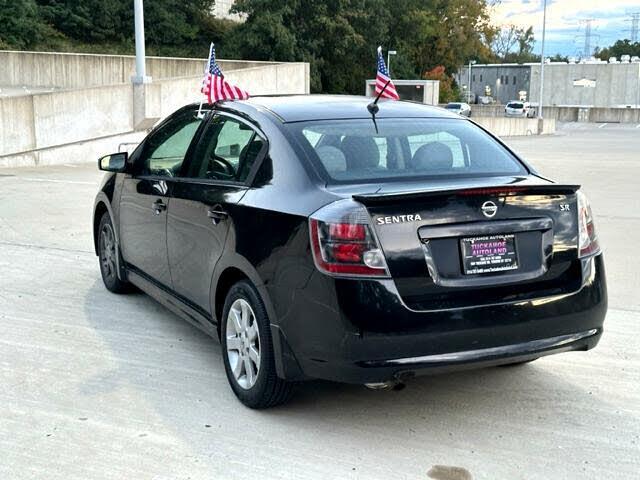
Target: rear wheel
107, 252
247, 350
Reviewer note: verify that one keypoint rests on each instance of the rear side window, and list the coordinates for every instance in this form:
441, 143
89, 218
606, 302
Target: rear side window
353, 151
227, 151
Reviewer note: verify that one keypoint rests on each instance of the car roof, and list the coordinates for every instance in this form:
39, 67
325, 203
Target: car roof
297, 108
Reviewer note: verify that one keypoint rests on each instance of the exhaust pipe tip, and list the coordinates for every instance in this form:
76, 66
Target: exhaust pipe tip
390, 385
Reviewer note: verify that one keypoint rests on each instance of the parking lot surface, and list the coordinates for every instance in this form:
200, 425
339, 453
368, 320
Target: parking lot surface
100, 386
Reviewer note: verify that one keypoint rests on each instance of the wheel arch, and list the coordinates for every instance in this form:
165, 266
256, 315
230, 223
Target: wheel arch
232, 270
101, 206
99, 210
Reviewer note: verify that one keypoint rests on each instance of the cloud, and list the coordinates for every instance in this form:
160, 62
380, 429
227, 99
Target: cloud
564, 20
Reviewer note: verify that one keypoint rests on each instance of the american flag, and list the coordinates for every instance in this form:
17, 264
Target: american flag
215, 87
382, 78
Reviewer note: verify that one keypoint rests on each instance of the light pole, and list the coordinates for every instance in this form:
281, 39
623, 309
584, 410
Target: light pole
141, 72
389, 53
544, 30
471, 62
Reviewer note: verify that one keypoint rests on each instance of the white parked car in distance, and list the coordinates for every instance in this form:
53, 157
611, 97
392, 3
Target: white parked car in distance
516, 108
460, 108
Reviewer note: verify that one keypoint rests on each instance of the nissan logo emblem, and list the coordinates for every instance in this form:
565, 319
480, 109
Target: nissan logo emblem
489, 209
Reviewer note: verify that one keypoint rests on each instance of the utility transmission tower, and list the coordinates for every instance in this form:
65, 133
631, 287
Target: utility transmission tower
635, 22
586, 53
588, 37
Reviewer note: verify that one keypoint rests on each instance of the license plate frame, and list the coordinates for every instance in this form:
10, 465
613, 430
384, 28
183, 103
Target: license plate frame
489, 254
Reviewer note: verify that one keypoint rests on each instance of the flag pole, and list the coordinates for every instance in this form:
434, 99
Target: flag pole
206, 70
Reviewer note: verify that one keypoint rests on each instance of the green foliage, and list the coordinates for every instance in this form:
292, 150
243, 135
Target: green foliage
512, 44
172, 27
448, 91
621, 47
339, 37
20, 25
89, 21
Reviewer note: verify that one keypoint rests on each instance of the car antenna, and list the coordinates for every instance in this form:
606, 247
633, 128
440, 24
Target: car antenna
373, 106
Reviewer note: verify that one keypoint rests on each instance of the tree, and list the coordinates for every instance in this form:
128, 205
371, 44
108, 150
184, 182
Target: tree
448, 91
621, 47
172, 27
525, 41
513, 44
505, 40
339, 37
21, 26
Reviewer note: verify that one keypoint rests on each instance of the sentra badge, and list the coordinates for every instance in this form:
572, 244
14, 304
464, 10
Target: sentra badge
399, 219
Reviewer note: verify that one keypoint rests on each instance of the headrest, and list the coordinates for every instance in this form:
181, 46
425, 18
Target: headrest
433, 156
360, 152
332, 158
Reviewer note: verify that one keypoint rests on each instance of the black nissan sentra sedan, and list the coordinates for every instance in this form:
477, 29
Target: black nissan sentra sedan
319, 241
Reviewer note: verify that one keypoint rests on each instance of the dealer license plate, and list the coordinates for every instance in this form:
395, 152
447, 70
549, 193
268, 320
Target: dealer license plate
489, 254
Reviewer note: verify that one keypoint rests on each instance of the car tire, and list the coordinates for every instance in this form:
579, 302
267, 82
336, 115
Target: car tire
247, 350
107, 252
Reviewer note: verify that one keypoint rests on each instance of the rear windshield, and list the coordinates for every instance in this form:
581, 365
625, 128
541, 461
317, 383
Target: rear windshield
351, 151
453, 105
515, 105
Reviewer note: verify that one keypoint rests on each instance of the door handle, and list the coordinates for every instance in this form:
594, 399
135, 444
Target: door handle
217, 214
158, 206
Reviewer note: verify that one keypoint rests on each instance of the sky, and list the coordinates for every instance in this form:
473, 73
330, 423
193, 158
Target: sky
565, 22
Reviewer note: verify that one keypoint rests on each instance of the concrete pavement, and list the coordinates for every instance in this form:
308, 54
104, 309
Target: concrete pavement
99, 386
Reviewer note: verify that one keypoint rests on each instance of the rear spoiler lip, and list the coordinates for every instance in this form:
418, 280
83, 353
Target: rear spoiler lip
488, 190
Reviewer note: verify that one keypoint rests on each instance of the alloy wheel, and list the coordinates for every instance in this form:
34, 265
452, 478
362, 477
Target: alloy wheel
243, 343
108, 251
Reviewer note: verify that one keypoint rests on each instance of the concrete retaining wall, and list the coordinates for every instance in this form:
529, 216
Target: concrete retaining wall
569, 114
35, 128
80, 70
17, 127
165, 96
45, 120
514, 127
82, 152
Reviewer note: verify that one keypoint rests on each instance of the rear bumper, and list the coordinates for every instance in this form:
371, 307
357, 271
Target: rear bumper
325, 334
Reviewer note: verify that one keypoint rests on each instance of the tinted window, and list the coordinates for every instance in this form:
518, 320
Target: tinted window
227, 151
515, 105
165, 150
403, 148
453, 106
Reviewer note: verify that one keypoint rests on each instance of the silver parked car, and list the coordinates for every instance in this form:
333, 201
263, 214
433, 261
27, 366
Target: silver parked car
460, 108
517, 108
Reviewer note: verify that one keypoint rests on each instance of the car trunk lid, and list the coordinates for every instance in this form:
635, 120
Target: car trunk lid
453, 246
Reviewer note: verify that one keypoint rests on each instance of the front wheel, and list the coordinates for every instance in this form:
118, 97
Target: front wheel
107, 252
247, 350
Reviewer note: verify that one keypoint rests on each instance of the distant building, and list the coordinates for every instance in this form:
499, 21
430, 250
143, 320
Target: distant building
221, 10
591, 84
423, 91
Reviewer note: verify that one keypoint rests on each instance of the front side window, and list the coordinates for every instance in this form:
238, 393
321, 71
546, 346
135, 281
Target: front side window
165, 150
228, 150
350, 151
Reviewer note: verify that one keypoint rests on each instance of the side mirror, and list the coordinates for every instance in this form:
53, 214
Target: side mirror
116, 162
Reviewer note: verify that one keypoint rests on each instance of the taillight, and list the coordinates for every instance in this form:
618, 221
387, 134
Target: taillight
587, 237
343, 242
